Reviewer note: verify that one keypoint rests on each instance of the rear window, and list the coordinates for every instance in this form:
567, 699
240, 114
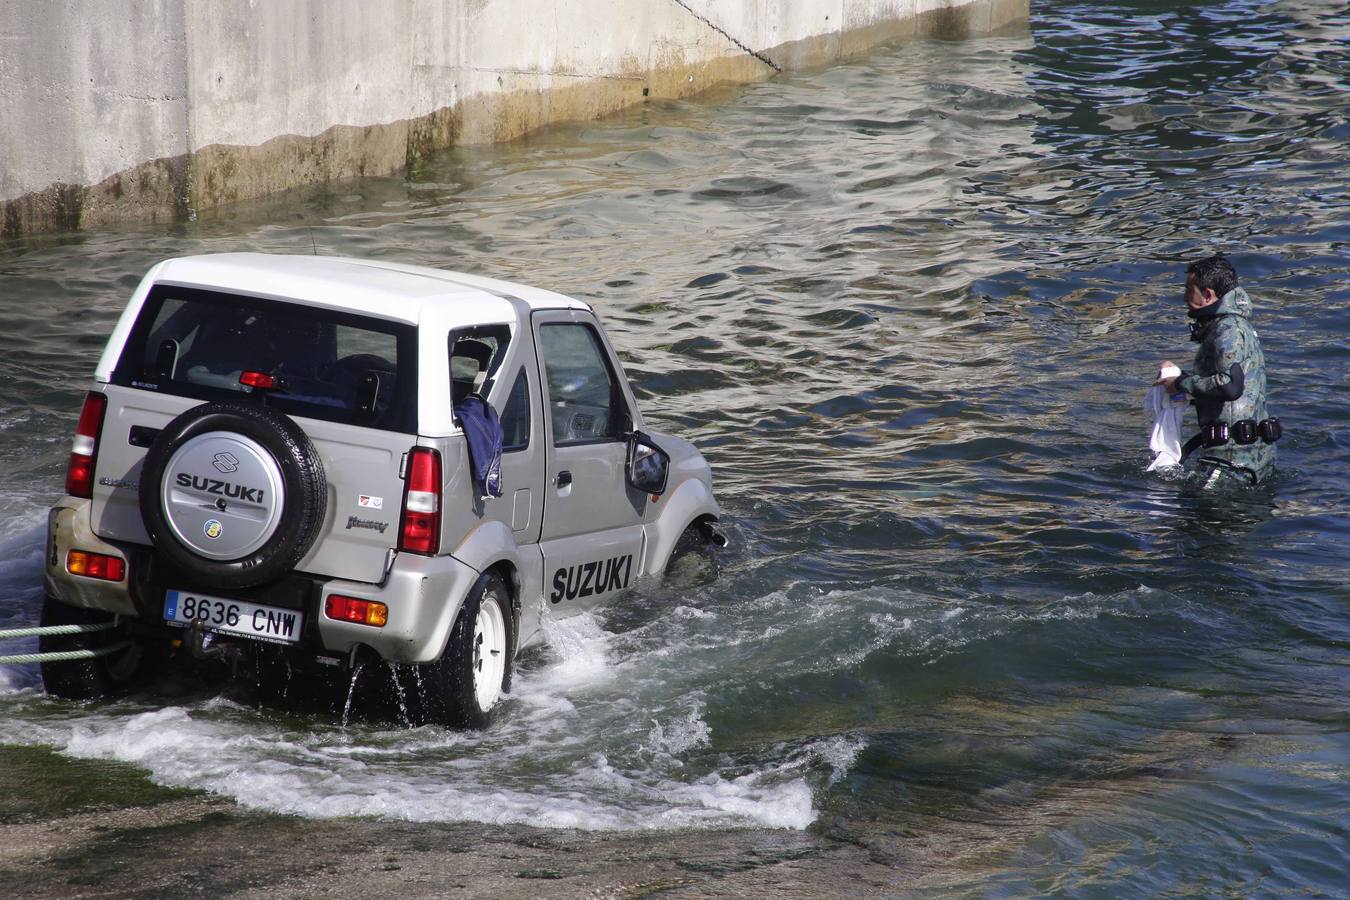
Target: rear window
329, 365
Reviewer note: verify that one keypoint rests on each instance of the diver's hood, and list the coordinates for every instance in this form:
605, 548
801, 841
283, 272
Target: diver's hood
1234, 303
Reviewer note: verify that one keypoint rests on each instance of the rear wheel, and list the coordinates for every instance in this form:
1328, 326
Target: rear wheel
87, 679
467, 682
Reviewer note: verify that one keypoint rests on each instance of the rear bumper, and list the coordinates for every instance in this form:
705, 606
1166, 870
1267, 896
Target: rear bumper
423, 594
68, 529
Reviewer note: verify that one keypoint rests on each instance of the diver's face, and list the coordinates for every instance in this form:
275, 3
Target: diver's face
1198, 297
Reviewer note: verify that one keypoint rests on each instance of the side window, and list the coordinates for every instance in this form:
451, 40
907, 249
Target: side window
516, 417
585, 403
475, 356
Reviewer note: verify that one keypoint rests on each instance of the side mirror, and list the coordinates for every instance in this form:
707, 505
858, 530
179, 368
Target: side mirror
648, 465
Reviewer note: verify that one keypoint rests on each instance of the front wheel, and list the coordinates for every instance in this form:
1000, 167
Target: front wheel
694, 560
466, 683
87, 679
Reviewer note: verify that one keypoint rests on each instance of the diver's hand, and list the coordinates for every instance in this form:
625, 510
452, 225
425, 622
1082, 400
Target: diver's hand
1168, 373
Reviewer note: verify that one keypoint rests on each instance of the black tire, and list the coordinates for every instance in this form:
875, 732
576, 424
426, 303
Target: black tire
306, 500
694, 558
445, 690
87, 679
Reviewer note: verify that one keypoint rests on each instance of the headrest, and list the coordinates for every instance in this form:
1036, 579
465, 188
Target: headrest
475, 350
480, 353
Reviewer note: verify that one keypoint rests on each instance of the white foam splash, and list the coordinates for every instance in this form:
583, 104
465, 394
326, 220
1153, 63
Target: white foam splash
21, 549
839, 752
681, 734
601, 731
13, 678
579, 649
571, 749
22, 545
331, 773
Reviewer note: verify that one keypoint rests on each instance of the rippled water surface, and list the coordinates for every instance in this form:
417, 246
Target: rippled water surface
908, 307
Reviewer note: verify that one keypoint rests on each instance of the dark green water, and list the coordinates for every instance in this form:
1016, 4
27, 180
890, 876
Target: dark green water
908, 307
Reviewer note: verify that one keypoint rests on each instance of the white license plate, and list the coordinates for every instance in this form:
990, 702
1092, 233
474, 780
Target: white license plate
268, 623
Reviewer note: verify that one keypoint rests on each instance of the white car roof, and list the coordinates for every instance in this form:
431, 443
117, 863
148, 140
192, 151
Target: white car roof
434, 300
413, 294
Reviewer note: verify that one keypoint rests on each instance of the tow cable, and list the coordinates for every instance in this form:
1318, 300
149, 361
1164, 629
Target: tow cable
59, 655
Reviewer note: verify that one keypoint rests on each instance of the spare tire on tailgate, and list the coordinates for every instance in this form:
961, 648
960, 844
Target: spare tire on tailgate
233, 494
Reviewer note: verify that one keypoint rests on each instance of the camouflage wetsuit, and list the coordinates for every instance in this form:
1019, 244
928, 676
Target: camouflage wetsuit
1229, 384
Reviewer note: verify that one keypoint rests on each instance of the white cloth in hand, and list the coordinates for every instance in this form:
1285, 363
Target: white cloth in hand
1165, 438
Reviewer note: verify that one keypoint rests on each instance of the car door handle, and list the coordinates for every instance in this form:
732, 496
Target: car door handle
564, 479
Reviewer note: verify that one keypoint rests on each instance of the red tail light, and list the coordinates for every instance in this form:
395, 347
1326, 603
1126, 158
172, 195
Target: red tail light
257, 380
421, 528
95, 565
80, 470
352, 609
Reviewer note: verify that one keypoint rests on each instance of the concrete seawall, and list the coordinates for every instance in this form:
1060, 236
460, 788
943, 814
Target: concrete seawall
149, 110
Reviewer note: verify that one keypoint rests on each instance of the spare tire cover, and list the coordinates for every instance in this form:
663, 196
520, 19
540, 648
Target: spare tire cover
233, 493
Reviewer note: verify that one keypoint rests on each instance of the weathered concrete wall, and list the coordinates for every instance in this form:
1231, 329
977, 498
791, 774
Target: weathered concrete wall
91, 95
150, 109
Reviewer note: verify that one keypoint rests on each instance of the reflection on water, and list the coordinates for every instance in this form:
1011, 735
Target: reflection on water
907, 306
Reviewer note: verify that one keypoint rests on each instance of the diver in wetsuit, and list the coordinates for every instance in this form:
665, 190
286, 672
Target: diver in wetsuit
1228, 386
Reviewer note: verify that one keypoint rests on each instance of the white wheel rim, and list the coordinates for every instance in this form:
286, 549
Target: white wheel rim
489, 653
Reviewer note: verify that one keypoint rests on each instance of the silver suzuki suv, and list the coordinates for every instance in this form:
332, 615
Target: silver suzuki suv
329, 462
